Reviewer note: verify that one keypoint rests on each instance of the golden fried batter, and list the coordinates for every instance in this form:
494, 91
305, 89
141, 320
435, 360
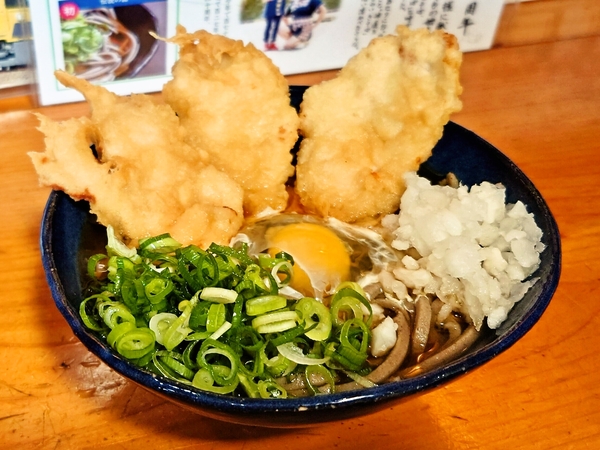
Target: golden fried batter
234, 103
144, 179
379, 118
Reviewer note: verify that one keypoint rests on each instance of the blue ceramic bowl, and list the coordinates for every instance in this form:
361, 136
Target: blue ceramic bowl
69, 235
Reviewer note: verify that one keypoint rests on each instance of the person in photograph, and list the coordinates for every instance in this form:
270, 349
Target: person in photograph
300, 20
274, 10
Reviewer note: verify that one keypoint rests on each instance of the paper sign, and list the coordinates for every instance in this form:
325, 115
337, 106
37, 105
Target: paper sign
108, 41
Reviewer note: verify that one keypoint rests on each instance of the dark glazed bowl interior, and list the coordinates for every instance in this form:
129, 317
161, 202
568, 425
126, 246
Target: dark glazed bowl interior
69, 235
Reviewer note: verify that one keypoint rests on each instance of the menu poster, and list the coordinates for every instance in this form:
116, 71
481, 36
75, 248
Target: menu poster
347, 25
109, 42
106, 42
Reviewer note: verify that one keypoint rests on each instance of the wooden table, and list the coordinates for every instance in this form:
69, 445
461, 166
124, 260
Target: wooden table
536, 96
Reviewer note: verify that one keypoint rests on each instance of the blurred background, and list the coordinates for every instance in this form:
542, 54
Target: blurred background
15, 45
552, 19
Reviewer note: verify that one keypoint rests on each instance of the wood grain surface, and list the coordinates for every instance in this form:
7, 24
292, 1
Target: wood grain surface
536, 96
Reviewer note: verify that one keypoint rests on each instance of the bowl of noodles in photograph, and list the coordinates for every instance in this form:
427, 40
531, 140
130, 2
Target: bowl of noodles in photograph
108, 44
70, 236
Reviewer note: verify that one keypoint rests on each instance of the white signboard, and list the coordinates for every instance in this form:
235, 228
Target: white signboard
109, 41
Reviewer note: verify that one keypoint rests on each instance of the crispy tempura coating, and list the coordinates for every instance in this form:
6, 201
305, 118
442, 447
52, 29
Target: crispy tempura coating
144, 179
234, 103
379, 118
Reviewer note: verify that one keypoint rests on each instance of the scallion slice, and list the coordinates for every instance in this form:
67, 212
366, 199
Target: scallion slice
270, 389
216, 317
316, 316
211, 348
163, 243
317, 376
205, 381
136, 343
275, 322
294, 353
218, 295
172, 364
160, 323
220, 331
264, 304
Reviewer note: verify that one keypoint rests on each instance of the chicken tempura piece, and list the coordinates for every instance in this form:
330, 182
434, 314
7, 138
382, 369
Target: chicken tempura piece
141, 178
380, 118
234, 103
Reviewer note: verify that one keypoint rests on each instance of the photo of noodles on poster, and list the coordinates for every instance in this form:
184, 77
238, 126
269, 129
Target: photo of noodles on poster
103, 44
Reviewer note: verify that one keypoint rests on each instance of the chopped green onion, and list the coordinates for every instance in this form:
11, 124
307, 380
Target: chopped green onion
199, 315
171, 364
262, 283
351, 351
247, 338
190, 354
118, 248
318, 373
117, 332
218, 295
285, 268
204, 380
353, 289
316, 316
157, 289
294, 353
115, 314
248, 384
216, 317
237, 314
163, 243
160, 323
210, 348
288, 335
345, 308
241, 254
93, 266
279, 365
198, 268
177, 330
270, 389
347, 336
264, 304
219, 318
92, 319
197, 336
136, 343
220, 331
275, 322
363, 381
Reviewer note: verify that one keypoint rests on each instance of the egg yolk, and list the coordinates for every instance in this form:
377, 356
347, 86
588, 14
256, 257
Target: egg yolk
321, 259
